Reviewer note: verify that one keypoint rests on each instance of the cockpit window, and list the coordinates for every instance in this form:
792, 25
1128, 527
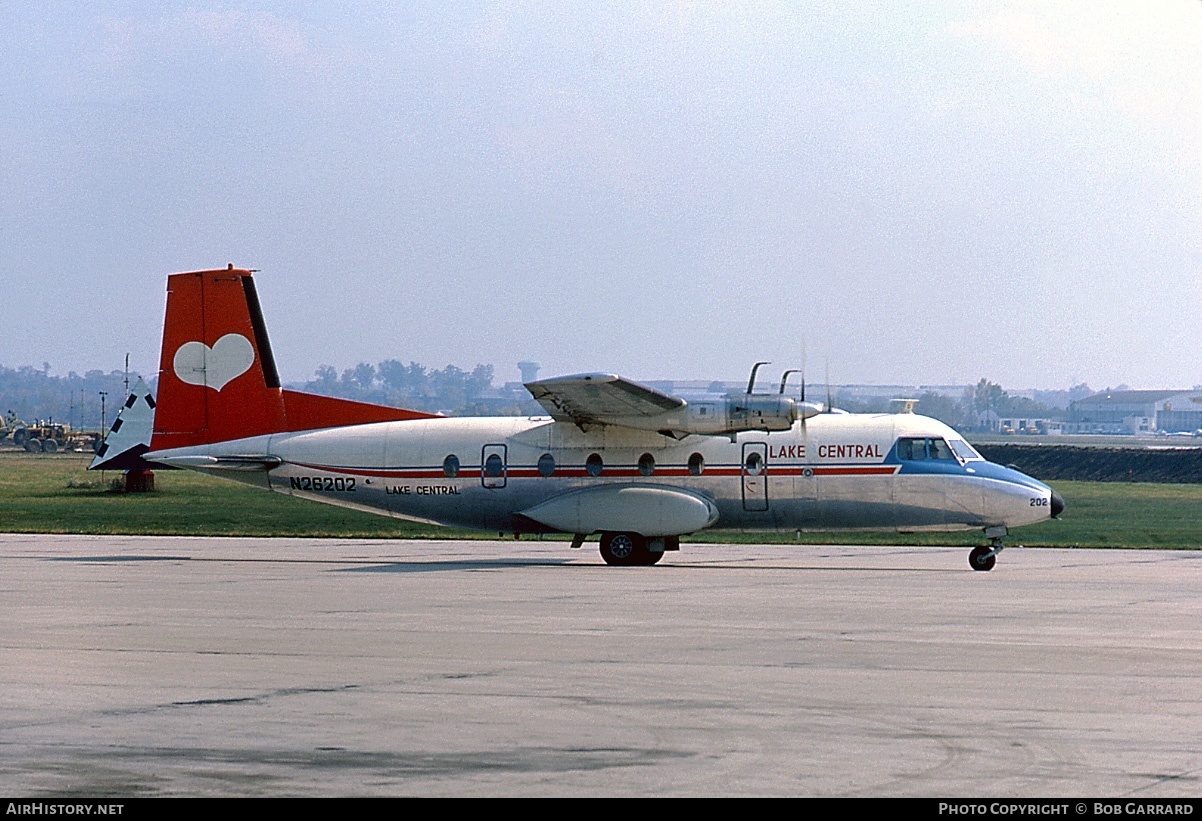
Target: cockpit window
913, 450
910, 449
964, 450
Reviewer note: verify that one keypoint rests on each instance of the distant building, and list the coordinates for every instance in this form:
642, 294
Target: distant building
1180, 413
991, 422
1136, 412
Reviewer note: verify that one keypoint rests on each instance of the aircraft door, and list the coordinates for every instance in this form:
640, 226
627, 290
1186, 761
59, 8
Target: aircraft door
755, 476
494, 466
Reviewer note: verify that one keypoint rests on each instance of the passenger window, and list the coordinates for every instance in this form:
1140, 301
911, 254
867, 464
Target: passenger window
546, 465
493, 466
593, 464
754, 464
696, 464
646, 464
450, 466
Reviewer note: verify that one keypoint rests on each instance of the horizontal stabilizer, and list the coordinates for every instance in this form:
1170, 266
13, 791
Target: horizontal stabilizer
240, 463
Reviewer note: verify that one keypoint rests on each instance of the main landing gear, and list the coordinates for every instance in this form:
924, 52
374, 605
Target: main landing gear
983, 558
628, 550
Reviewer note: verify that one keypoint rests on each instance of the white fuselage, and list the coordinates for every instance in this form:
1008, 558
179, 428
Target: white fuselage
830, 472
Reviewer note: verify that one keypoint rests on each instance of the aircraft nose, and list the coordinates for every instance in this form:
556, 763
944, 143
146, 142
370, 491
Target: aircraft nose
1057, 505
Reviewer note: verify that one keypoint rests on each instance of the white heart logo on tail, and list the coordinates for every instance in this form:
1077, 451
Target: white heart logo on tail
198, 364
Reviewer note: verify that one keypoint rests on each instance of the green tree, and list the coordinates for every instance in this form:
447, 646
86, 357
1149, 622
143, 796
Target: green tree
944, 408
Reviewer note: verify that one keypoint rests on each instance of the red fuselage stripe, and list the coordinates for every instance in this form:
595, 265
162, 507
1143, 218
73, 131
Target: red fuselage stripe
621, 473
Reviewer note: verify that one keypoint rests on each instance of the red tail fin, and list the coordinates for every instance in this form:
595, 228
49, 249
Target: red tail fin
217, 376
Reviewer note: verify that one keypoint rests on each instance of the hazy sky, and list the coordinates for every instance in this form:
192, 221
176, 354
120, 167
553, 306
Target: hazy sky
923, 192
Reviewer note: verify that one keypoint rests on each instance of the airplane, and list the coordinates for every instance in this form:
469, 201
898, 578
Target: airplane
638, 466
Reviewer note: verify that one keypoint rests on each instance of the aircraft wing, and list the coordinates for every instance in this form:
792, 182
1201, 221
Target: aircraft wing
600, 398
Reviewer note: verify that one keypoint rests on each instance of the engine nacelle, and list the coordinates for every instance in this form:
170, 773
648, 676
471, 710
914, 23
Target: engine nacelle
731, 414
765, 412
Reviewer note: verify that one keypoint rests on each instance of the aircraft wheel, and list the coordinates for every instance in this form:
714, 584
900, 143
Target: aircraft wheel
980, 559
650, 558
623, 549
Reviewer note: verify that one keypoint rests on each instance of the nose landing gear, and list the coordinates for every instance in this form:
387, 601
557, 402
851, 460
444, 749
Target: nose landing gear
983, 558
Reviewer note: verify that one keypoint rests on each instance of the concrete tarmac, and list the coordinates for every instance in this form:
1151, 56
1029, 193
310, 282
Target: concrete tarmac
142, 666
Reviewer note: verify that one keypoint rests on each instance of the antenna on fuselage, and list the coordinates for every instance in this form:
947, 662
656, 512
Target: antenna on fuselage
799, 408
804, 350
785, 378
751, 381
